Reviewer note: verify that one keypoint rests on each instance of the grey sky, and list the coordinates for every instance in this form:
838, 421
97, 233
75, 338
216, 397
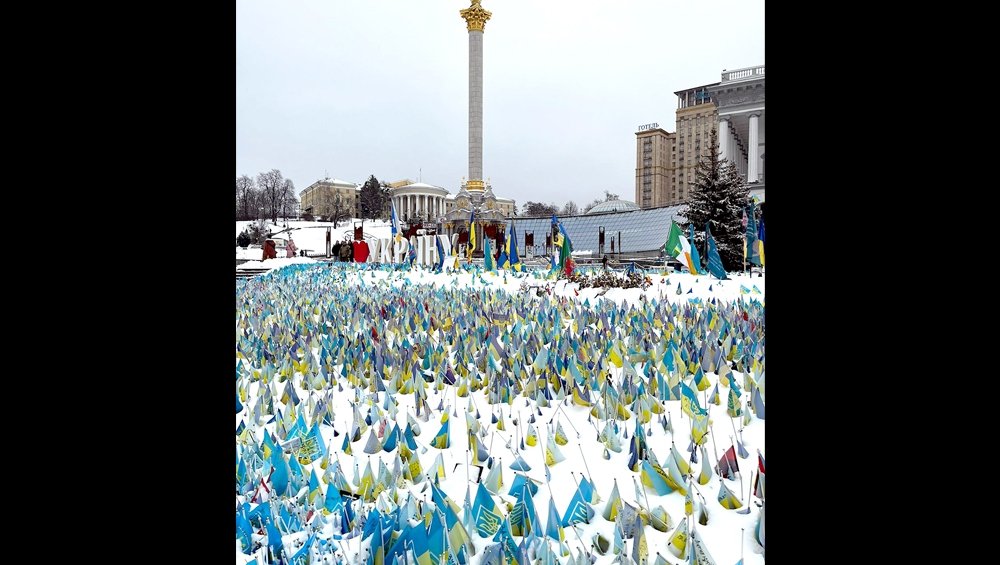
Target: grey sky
352, 88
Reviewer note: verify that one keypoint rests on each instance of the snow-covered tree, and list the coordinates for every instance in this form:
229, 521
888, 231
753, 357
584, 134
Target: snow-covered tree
719, 196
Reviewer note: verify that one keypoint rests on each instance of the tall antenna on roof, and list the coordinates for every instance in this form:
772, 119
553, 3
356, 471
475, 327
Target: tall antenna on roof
420, 175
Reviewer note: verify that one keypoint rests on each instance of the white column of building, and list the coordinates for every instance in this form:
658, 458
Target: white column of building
724, 138
733, 148
753, 153
739, 155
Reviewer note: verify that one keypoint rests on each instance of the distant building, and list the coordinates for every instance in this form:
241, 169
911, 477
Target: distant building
418, 201
414, 201
321, 197
507, 206
654, 165
696, 118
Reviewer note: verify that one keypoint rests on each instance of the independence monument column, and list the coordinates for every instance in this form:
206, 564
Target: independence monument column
475, 18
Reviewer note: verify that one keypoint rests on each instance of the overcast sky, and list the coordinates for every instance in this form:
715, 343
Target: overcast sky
350, 88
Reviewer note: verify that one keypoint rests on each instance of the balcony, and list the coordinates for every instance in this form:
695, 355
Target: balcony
739, 75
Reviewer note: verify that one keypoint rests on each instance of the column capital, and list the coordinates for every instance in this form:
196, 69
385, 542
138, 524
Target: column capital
475, 16
754, 114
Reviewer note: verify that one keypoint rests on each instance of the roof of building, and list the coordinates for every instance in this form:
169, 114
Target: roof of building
614, 206
638, 230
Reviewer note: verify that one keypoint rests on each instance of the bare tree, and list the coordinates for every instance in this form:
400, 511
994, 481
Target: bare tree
540, 209
570, 209
288, 199
246, 198
335, 206
272, 189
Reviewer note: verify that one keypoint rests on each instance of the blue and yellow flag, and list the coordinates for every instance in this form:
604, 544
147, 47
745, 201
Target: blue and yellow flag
503, 260
472, 234
515, 259
456, 532
553, 528
443, 439
653, 476
486, 513
689, 402
727, 499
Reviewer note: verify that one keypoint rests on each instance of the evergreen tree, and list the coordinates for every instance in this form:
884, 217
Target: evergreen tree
719, 196
371, 199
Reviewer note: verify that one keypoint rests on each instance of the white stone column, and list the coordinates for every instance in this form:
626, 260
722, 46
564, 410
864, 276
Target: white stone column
475, 105
724, 150
754, 150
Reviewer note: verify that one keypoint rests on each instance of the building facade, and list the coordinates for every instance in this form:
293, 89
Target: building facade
419, 202
734, 108
696, 118
654, 165
322, 197
740, 101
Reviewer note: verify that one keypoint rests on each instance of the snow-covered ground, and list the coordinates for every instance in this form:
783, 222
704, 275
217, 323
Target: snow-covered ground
312, 235
331, 331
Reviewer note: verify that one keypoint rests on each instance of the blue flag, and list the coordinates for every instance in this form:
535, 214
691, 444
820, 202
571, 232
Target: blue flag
515, 260
301, 556
440, 248
578, 510
695, 258
714, 261
244, 530
752, 251
279, 478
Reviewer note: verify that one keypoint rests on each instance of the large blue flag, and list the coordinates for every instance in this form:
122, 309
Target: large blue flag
751, 252
695, 258
440, 248
714, 261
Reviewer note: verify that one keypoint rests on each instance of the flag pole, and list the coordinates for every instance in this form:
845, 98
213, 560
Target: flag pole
589, 476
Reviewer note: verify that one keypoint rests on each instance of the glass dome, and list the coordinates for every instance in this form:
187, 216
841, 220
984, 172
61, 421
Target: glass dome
614, 206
